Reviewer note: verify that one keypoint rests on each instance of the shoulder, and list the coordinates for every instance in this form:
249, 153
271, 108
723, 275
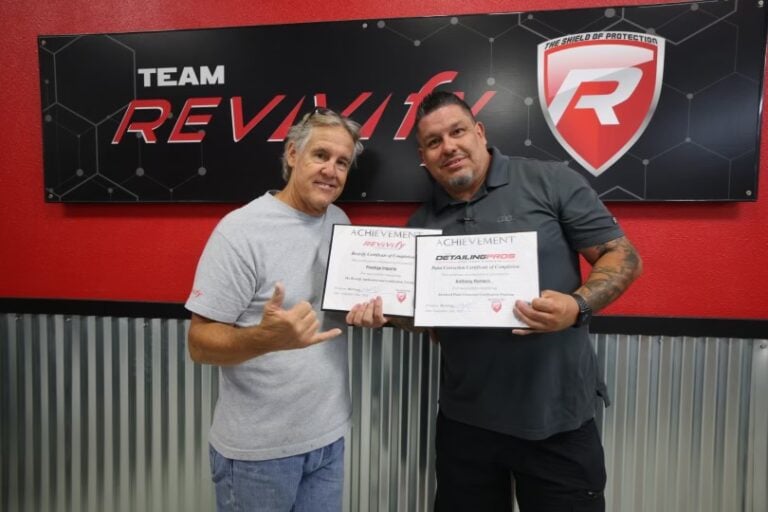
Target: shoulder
548, 176
240, 225
546, 168
336, 215
505, 168
420, 216
254, 211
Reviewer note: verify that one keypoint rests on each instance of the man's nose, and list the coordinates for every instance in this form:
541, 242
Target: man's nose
449, 145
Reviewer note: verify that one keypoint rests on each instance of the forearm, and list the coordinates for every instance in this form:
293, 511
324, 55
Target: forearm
615, 265
222, 344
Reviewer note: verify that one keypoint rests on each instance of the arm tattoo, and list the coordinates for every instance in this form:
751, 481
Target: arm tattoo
615, 265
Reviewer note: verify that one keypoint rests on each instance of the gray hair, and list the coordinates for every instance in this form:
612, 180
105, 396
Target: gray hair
320, 117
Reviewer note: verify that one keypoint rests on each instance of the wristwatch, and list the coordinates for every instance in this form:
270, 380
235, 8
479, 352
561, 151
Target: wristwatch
585, 311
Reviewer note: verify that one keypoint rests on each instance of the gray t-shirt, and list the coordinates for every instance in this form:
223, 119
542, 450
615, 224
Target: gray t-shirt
287, 402
537, 385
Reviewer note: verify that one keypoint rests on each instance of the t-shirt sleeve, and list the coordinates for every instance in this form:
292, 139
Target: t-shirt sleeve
224, 281
585, 219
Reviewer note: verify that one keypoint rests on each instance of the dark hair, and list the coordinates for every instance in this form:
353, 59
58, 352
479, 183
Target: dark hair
440, 99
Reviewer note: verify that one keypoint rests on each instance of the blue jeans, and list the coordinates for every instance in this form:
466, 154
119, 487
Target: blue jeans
310, 482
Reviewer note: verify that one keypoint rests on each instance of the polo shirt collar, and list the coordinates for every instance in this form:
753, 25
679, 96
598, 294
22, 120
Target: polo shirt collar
496, 177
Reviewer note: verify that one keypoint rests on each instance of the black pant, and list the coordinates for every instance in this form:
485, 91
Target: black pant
565, 472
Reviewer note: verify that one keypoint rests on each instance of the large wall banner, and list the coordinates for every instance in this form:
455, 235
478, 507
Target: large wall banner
649, 103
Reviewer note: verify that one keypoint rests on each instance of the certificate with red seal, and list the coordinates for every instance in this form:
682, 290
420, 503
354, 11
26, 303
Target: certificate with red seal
474, 280
369, 261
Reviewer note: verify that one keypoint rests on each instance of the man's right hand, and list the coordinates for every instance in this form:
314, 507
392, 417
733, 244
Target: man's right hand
212, 342
292, 328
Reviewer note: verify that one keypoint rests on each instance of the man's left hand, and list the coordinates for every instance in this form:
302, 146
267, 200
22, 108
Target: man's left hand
368, 314
553, 311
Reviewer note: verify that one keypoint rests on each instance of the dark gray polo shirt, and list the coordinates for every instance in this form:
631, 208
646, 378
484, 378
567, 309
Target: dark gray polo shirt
527, 386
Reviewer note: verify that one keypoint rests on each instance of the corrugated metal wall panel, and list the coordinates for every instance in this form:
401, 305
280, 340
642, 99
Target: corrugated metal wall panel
757, 447
677, 436
111, 414
390, 465
102, 414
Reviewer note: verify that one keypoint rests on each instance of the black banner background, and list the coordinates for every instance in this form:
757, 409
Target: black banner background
701, 144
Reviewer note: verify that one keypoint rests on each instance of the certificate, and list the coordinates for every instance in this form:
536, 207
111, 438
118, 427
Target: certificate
369, 261
474, 280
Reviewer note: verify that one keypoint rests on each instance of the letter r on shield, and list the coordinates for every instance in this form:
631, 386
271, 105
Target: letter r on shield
599, 95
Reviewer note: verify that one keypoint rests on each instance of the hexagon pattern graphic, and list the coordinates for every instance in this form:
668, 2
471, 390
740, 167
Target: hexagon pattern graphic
201, 115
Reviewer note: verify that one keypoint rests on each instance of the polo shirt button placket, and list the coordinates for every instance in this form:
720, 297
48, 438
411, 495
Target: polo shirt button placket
469, 218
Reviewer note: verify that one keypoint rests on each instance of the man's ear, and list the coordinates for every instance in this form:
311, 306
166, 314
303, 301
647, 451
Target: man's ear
480, 127
290, 154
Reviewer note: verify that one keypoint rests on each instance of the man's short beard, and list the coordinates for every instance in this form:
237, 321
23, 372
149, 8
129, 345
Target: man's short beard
460, 181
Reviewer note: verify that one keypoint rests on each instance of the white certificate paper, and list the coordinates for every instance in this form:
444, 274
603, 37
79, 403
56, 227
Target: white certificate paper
474, 280
369, 261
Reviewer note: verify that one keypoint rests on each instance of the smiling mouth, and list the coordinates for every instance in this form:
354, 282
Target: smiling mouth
325, 186
453, 162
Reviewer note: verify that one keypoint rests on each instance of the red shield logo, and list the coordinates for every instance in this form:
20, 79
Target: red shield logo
496, 306
400, 296
598, 92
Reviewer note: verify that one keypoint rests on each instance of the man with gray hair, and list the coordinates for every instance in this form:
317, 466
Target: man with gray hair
276, 442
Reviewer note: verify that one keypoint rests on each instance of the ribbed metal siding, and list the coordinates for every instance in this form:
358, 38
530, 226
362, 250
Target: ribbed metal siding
110, 414
102, 414
394, 377
687, 428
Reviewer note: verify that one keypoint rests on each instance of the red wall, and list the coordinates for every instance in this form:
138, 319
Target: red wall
701, 259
